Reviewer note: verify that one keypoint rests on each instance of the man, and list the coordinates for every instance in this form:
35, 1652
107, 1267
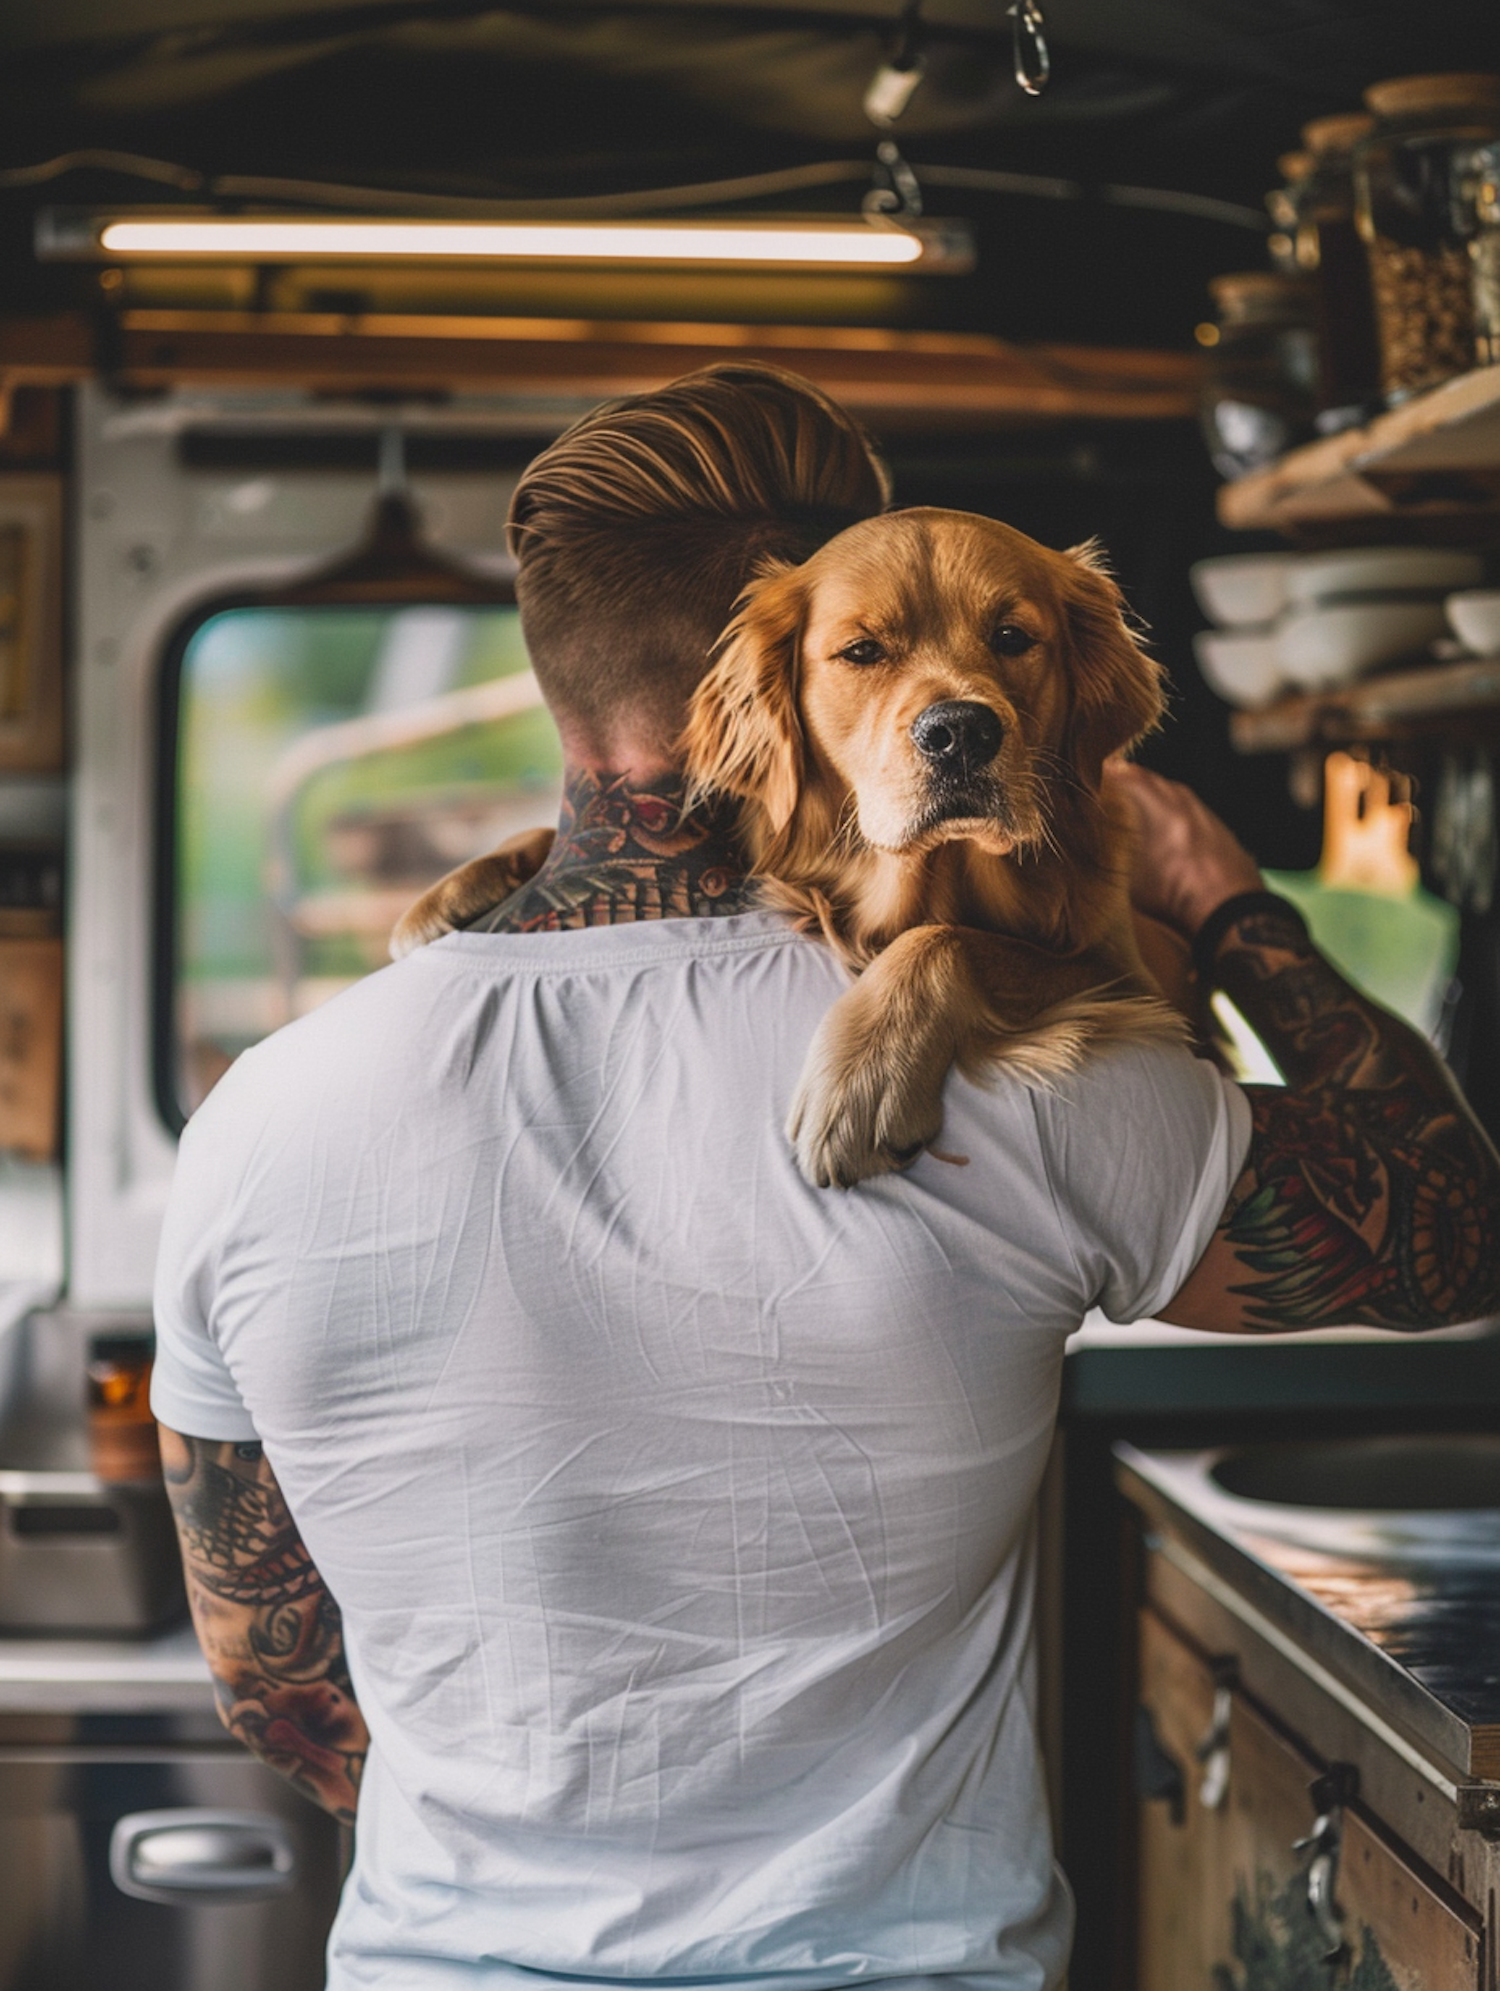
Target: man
679, 1513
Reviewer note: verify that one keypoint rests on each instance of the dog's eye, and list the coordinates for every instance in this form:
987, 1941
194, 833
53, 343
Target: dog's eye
865, 651
1010, 639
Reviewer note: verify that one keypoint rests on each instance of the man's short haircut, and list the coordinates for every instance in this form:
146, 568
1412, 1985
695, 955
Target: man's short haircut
636, 531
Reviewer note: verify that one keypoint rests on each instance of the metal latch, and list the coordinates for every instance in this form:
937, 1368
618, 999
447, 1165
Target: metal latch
1479, 1809
1158, 1774
1337, 1787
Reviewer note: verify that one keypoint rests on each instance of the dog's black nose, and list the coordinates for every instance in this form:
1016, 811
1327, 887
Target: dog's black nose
957, 736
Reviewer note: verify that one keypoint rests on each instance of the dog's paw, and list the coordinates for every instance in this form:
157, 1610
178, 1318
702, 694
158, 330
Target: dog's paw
865, 1105
472, 889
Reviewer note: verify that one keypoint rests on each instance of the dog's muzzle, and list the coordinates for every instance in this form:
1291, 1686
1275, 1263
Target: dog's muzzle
957, 737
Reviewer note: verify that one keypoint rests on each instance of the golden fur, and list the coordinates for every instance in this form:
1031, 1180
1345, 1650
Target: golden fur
991, 924
987, 917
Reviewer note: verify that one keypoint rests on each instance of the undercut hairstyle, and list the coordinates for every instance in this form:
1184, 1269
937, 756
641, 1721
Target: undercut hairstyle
636, 532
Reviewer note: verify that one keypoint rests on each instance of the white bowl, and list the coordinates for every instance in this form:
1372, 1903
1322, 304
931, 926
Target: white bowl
1474, 618
1242, 665
1330, 645
1242, 590
1380, 570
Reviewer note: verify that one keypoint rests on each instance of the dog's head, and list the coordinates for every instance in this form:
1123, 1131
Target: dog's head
927, 675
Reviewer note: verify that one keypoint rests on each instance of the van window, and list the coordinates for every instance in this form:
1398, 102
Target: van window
326, 765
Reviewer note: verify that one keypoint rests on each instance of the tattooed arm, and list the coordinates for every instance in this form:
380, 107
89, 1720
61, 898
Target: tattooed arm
271, 1633
1370, 1194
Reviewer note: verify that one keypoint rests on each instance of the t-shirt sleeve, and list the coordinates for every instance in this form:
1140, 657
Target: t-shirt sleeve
192, 1390
1141, 1148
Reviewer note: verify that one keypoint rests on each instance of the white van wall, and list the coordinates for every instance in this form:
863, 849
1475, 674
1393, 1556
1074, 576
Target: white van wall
153, 540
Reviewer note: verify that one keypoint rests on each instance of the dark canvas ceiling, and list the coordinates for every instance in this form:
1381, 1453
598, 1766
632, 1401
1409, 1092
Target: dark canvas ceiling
563, 98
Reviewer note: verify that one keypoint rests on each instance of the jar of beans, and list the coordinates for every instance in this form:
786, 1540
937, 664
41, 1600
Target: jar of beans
1414, 188
1484, 252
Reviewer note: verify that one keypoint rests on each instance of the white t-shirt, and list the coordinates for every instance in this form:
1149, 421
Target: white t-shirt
679, 1513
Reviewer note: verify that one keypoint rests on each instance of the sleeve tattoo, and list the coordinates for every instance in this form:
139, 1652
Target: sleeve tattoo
270, 1631
1370, 1196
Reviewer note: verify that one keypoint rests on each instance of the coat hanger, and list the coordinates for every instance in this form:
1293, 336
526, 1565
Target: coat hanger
394, 566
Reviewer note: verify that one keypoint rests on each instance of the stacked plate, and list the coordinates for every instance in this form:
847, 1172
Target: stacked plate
1474, 618
1310, 621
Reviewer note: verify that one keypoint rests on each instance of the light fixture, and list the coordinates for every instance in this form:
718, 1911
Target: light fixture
863, 244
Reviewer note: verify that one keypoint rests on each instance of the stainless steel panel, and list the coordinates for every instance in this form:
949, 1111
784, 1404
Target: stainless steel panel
67, 1925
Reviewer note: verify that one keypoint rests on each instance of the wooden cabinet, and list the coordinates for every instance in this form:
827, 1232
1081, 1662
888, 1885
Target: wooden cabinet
1224, 1887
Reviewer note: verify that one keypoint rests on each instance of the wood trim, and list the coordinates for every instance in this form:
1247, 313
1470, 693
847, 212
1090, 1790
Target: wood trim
920, 377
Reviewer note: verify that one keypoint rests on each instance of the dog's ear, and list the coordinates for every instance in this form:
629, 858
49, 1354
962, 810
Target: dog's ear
1117, 689
744, 733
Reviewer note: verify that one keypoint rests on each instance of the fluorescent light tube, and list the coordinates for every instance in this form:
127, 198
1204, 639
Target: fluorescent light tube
852, 245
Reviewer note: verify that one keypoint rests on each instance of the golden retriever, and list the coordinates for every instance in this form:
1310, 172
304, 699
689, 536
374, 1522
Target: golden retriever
915, 722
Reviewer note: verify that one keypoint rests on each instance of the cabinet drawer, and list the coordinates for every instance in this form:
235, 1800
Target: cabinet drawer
1223, 1896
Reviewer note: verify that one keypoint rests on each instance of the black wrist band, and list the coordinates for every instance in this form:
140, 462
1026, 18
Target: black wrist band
1208, 938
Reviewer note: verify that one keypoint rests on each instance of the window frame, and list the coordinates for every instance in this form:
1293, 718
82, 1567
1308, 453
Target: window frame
166, 922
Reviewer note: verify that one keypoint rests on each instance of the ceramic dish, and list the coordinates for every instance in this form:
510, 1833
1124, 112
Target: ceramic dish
1242, 590
1242, 665
1474, 618
1380, 570
1330, 645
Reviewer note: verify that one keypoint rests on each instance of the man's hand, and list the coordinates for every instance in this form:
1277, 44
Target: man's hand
1370, 1195
271, 1633
1186, 863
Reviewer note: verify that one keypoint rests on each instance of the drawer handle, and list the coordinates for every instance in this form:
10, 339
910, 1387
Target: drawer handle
193, 1858
1330, 1793
1213, 1749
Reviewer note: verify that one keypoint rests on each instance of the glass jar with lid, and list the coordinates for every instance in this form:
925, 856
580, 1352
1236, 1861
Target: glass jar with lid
1330, 251
1484, 253
1414, 186
1260, 373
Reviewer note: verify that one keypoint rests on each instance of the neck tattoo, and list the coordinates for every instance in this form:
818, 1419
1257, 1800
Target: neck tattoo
629, 849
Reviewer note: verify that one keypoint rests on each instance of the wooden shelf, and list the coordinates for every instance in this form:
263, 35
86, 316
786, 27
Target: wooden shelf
1406, 705
1436, 457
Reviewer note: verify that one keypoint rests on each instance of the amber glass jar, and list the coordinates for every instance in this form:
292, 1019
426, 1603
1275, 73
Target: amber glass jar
1331, 253
1284, 205
1414, 186
122, 1431
1260, 374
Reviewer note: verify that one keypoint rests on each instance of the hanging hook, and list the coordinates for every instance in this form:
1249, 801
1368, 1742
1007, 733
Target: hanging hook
895, 192
1030, 59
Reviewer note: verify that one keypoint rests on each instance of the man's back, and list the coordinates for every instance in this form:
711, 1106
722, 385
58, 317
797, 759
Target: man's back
678, 1512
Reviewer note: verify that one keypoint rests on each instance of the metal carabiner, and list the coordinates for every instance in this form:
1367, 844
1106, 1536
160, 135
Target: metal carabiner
1030, 61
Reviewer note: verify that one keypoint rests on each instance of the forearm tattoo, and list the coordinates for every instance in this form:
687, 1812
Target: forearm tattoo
271, 1633
1371, 1194
626, 851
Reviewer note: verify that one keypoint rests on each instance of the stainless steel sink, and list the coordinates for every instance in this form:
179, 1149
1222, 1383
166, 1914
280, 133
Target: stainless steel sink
1436, 1473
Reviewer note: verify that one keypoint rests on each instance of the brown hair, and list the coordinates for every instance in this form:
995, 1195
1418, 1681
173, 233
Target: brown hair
637, 530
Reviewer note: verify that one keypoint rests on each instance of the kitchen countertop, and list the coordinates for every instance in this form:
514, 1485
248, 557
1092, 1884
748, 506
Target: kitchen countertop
1150, 1374
1410, 1637
164, 1673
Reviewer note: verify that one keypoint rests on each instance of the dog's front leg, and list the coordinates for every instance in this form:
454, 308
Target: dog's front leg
870, 1096
471, 890
871, 1092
